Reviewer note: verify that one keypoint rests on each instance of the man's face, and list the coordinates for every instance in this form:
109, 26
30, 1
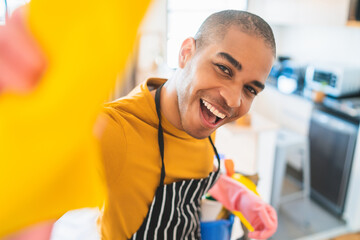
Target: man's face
219, 82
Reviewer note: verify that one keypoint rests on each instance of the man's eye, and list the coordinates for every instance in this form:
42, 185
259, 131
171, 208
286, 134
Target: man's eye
251, 90
224, 69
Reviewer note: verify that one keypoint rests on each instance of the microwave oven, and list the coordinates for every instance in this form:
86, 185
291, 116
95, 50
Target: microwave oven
335, 81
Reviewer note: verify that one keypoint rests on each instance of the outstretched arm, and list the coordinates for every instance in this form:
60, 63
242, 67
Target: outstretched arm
236, 197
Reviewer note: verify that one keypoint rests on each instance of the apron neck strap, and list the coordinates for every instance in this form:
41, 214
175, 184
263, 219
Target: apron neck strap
161, 138
216, 153
160, 134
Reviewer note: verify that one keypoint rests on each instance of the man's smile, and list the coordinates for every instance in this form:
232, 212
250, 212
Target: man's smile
211, 115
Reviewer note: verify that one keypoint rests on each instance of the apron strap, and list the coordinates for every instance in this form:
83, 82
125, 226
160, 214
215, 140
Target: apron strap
160, 135
216, 153
161, 138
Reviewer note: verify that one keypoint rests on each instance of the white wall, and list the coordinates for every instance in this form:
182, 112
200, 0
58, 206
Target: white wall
152, 43
319, 43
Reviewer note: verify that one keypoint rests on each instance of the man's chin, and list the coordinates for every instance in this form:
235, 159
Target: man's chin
199, 134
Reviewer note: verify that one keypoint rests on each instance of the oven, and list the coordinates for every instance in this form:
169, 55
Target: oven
332, 145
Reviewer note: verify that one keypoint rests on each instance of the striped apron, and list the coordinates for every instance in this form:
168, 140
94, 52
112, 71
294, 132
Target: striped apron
175, 210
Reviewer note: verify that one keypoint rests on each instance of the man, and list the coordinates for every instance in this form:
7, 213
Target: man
157, 158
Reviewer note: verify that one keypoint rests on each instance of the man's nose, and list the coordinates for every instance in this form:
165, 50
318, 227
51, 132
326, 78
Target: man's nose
232, 96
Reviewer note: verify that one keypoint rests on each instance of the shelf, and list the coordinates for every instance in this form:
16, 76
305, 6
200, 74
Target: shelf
353, 23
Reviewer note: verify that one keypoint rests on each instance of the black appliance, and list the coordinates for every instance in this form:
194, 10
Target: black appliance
333, 134
287, 76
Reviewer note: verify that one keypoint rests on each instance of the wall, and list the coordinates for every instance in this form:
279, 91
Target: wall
337, 44
152, 43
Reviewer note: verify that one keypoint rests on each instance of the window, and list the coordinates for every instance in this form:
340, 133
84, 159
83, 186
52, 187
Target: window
9, 6
184, 17
3, 11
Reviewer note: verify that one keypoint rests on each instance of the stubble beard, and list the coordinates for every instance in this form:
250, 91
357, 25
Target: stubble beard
186, 125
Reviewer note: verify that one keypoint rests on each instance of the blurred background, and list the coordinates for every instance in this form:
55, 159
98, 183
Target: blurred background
301, 137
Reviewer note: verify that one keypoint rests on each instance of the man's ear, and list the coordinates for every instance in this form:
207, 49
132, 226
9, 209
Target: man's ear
187, 50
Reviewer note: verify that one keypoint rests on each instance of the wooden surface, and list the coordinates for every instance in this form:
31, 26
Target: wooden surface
353, 236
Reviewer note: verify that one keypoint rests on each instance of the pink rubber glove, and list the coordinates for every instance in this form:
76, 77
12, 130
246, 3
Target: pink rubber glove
236, 197
40, 231
21, 60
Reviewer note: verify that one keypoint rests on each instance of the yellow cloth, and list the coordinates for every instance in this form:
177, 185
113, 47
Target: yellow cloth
132, 160
251, 186
48, 155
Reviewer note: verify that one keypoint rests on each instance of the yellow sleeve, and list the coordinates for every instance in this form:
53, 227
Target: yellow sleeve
113, 146
49, 159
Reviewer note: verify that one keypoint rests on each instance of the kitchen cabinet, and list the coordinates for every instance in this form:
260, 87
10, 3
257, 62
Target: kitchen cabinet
354, 13
302, 12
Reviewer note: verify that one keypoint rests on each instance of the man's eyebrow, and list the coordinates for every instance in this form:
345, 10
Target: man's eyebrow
258, 84
232, 60
238, 66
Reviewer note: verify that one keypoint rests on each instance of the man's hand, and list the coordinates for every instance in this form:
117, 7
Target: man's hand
236, 197
21, 60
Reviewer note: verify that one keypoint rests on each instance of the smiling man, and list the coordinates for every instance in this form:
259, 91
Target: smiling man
157, 151
219, 79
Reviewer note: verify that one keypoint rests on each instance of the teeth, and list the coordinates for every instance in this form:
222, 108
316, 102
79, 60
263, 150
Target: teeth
213, 110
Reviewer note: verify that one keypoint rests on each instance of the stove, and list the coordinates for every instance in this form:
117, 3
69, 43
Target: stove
347, 106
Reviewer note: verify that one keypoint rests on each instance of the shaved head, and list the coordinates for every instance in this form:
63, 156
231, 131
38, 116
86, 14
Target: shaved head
215, 27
